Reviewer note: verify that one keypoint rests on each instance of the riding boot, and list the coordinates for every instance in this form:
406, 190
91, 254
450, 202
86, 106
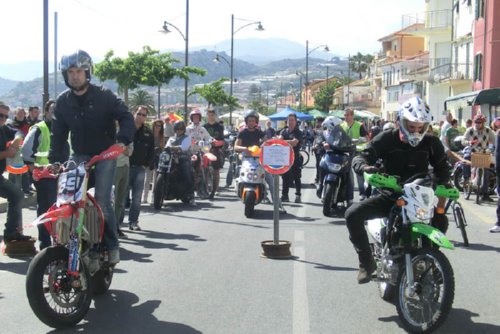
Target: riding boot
367, 266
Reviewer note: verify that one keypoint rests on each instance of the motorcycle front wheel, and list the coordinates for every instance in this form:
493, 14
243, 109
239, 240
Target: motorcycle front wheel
57, 299
428, 307
159, 192
328, 201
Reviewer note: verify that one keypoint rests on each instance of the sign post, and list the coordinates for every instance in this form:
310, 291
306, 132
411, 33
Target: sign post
276, 157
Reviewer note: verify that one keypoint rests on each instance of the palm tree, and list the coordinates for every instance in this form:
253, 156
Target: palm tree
142, 97
359, 63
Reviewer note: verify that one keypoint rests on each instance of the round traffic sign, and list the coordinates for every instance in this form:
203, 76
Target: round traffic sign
276, 156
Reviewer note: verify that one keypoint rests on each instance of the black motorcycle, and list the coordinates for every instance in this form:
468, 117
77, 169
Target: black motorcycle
335, 168
169, 182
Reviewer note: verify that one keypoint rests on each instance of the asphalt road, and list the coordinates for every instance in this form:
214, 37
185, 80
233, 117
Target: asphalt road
200, 270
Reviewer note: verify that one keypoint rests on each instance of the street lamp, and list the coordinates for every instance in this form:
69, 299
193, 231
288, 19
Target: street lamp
218, 59
300, 74
186, 52
325, 48
259, 28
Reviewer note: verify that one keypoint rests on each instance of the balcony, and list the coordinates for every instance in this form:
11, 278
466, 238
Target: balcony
433, 21
451, 72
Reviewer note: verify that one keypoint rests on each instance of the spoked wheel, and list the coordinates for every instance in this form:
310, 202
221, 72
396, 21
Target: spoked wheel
458, 214
159, 191
458, 179
427, 308
215, 182
58, 299
209, 181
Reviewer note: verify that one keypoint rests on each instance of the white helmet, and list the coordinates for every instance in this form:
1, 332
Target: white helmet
388, 126
331, 122
414, 110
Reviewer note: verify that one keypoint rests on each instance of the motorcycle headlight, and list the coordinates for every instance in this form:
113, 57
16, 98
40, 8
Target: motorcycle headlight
334, 168
423, 214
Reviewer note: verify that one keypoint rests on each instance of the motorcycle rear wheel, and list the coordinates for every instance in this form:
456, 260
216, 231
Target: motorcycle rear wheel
159, 192
52, 293
428, 308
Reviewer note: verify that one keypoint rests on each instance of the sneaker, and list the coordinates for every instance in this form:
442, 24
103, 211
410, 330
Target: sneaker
366, 271
131, 225
114, 256
495, 229
192, 202
137, 227
362, 198
297, 199
285, 199
17, 236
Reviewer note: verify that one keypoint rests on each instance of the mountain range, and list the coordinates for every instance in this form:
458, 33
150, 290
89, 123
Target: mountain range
278, 58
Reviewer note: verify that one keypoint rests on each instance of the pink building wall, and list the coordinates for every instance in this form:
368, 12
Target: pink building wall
487, 42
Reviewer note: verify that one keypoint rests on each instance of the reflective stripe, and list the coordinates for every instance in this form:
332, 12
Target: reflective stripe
43, 145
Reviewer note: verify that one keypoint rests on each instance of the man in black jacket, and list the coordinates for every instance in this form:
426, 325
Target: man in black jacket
89, 112
141, 158
405, 152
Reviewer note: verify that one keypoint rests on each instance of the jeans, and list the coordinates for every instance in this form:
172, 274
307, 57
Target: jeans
104, 178
293, 175
136, 185
14, 196
46, 191
121, 192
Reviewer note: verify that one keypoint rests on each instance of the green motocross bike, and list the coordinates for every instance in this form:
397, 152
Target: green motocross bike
411, 269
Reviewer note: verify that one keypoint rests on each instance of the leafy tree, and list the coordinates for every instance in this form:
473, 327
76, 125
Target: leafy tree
359, 63
142, 97
323, 99
215, 95
253, 92
258, 106
148, 68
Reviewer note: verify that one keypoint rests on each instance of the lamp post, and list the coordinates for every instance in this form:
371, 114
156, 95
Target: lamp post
259, 28
219, 57
300, 74
325, 48
186, 53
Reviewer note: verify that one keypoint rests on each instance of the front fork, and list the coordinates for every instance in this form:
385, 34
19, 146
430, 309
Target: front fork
407, 251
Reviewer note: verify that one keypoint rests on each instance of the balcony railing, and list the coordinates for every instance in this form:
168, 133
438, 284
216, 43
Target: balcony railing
451, 71
436, 19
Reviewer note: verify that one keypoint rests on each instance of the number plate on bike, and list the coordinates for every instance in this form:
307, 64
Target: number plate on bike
70, 184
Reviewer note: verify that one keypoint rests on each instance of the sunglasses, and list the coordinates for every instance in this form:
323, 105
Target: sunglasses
143, 115
3, 116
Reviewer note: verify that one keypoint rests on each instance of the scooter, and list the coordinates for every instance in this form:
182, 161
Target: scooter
250, 185
335, 170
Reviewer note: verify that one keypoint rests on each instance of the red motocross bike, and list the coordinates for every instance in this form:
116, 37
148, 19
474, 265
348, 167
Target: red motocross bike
59, 284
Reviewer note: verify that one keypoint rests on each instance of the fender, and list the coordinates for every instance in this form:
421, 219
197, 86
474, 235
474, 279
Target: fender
207, 158
331, 178
435, 235
248, 188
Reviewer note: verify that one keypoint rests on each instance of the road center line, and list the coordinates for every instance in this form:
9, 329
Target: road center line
300, 298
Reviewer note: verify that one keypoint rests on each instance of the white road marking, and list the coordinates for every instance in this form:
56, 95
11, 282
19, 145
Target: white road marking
300, 298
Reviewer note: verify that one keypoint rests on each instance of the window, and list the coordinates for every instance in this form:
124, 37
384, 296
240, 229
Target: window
479, 9
478, 67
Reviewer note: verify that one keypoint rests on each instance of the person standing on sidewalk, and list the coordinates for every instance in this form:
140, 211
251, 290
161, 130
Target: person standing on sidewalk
293, 136
35, 153
496, 227
141, 159
89, 113
160, 142
8, 190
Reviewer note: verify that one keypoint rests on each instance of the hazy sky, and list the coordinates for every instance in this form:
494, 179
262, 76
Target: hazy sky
126, 25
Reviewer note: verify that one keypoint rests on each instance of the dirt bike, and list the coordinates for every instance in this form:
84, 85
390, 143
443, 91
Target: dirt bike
410, 267
59, 284
203, 161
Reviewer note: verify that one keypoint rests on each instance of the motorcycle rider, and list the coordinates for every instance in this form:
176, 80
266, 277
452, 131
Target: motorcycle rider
181, 143
197, 133
477, 139
405, 152
89, 113
250, 135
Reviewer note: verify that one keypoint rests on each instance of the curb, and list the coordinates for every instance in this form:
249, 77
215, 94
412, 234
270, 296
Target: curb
28, 201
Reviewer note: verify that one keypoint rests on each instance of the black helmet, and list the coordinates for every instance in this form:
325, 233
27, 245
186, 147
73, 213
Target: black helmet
251, 113
179, 125
79, 59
